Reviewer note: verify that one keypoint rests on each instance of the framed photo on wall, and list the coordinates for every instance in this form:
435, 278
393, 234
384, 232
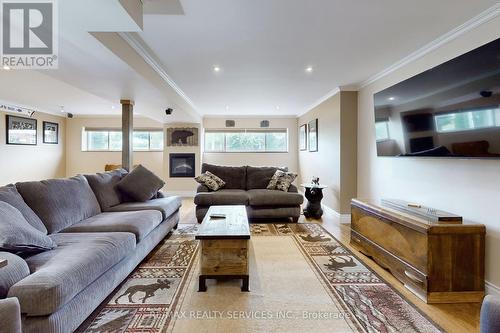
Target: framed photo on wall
303, 137
313, 135
50, 132
21, 131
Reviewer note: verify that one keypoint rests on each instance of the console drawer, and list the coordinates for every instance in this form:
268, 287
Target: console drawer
403, 242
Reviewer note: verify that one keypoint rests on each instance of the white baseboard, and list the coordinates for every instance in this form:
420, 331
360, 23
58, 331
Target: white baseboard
343, 218
491, 289
184, 194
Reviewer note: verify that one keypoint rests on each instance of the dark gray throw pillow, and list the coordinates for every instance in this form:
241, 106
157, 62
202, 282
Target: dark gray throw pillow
18, 236
10, 195
140, 184
104, 187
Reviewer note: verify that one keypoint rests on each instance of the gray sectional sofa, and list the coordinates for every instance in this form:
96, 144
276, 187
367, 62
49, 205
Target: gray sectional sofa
101, 237
246, 185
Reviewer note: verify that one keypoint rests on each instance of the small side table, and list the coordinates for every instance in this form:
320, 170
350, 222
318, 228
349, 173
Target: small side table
314, 194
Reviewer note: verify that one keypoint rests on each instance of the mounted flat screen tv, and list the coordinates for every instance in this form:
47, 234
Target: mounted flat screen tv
452, 110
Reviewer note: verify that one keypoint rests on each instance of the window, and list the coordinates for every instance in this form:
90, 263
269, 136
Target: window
246, 140
111, 140
382, 130
468, 120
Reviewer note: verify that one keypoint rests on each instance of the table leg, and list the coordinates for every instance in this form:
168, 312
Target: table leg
245, 283
202, 285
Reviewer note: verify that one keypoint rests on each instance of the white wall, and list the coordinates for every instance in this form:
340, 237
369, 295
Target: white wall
467, 187
25, 163
78, 161
288, 159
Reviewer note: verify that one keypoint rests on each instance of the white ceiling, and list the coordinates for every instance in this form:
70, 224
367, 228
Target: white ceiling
262, 47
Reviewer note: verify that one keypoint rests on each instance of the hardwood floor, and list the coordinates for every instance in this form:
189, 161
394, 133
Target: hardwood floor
463, 317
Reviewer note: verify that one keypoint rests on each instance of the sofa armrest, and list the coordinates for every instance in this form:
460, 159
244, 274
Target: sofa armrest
490, 315
10, 315
15, 270
293, 189
202, 188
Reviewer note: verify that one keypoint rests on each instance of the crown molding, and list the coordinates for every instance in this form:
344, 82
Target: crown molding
136, 42
476, 21
331, 93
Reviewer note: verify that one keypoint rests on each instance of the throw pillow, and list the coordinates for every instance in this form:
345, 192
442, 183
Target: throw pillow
104, 187
10, 195
18, 236
210, 180
281, 181
140, 184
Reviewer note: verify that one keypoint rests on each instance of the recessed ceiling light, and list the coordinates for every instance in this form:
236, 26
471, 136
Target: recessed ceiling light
113, 107
309, 69
277, 107
62, 108
391, 98
227, 107
5, 67
216, 69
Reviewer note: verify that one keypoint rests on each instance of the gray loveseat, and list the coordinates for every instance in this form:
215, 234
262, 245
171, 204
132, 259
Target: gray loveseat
246, 185
100, 236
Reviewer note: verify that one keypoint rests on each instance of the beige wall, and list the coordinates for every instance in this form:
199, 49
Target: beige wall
467, 187
335, 161
325, 163
78, 161
288, 159
22, 163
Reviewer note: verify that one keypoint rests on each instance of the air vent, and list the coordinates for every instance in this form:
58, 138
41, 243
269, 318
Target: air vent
230, 123
264, 123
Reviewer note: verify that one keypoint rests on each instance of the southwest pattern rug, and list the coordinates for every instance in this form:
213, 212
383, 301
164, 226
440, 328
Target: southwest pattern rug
150, 299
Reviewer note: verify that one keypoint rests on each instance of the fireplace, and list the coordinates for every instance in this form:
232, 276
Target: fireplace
182, 165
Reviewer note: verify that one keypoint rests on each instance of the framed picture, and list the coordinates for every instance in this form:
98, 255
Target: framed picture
182, 137
313, 135
303, 137
21, 131
50, 132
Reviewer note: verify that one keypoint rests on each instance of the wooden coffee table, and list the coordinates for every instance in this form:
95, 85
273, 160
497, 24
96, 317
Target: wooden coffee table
224, 245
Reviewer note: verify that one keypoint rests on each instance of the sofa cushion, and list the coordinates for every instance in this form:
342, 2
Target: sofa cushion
10, 195
140, 184
259, 177
139, 223
281, 180
59, 275
274, 198
104, 187
16, 270
235, 177
18, 236
222, 197
210, 180
60, 202
167, 206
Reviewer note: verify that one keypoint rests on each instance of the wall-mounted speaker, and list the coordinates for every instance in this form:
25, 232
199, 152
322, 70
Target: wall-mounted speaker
264, 123
70, 115
230, 123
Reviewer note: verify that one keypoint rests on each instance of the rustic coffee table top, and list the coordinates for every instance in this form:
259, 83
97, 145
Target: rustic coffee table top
233, 226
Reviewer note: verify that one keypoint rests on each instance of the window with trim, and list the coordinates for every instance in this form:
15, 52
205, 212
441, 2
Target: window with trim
382, 130
101, 139
246, 141
467, 120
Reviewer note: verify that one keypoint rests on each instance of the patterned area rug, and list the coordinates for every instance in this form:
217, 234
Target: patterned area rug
339, 292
